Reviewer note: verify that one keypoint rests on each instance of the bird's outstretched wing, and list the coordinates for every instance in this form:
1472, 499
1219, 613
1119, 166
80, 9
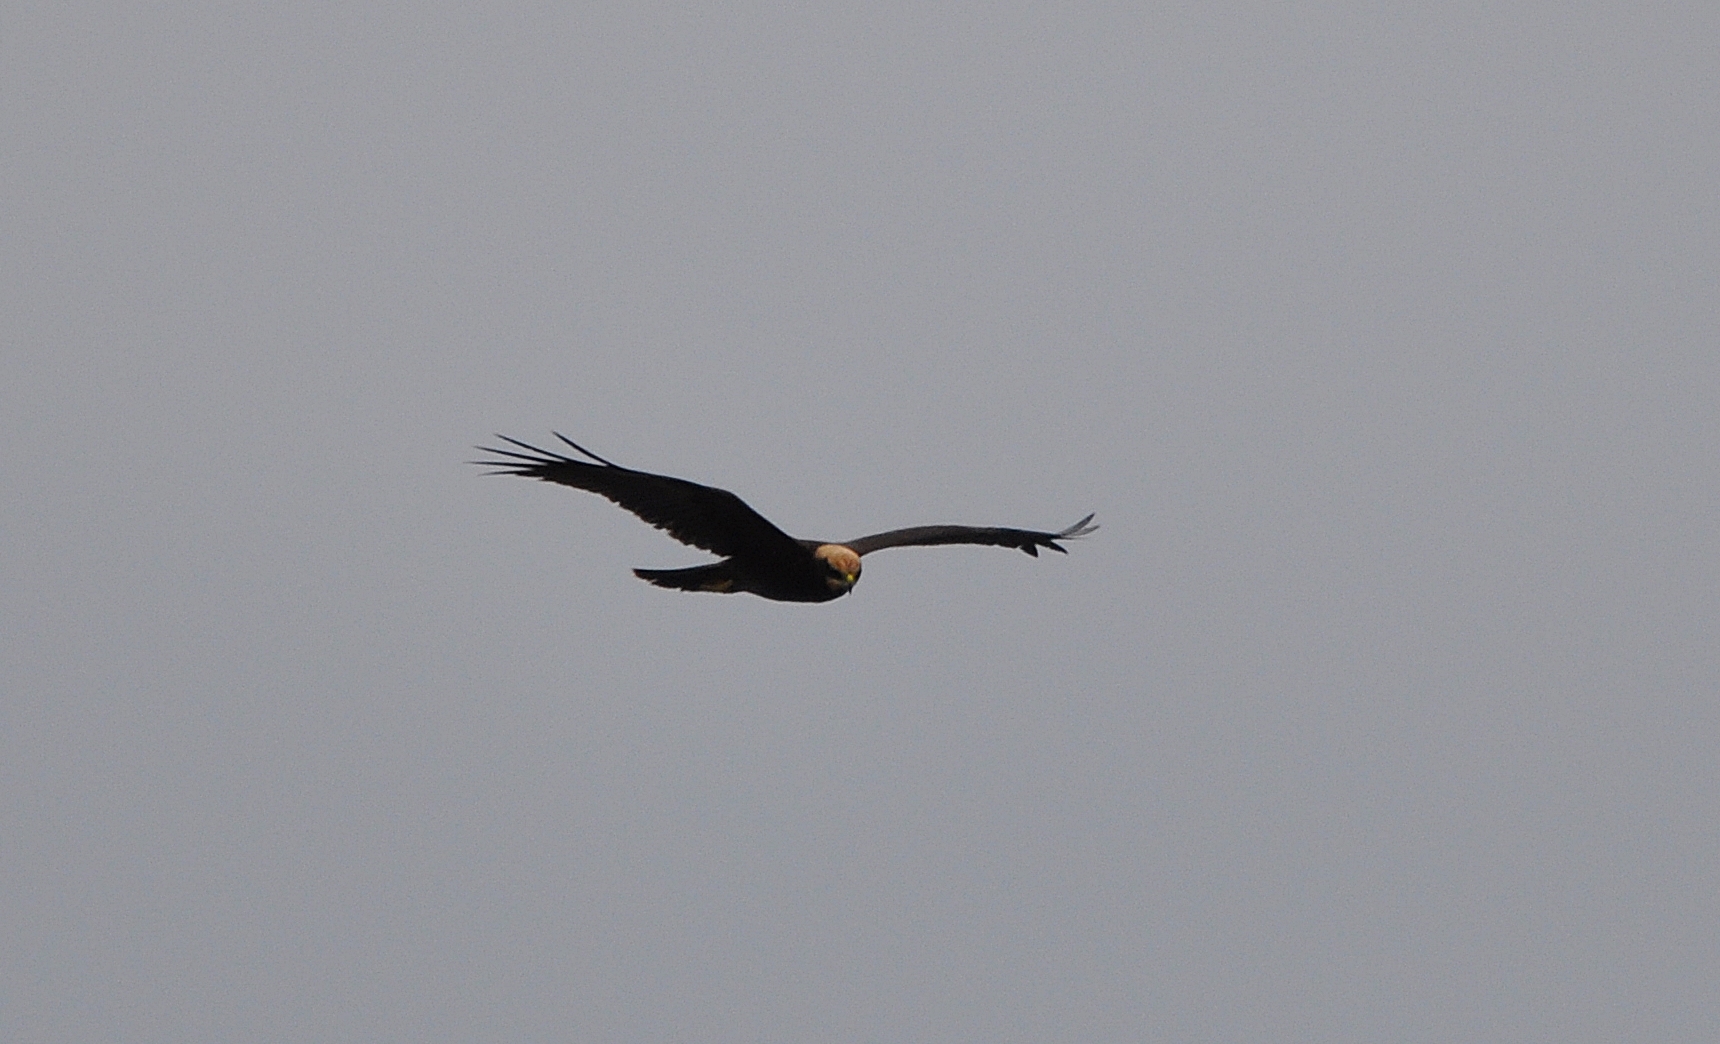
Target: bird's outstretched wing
1024, 539
703, 516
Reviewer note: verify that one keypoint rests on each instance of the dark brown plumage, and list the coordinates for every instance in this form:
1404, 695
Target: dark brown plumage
757, 557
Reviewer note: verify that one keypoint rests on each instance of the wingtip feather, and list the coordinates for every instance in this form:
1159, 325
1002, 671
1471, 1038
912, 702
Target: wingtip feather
1079, 529
582, 449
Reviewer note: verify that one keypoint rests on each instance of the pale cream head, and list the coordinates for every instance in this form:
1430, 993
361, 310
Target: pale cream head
843, 563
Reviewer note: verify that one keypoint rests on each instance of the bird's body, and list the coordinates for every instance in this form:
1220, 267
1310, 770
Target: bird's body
800, 578
757, 557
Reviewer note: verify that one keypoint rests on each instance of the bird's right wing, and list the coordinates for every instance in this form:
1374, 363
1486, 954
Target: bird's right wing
703, 516
1022, 539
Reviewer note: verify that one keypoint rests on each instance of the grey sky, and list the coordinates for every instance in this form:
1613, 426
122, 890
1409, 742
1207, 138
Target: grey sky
1383, 342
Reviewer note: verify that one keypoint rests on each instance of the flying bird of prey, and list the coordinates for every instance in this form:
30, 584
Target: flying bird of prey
757, 557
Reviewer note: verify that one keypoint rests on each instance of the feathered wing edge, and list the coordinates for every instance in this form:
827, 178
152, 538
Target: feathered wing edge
705, 517
1027, 540
535, 457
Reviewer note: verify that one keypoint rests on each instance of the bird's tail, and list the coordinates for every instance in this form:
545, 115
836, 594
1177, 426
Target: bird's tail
714, 577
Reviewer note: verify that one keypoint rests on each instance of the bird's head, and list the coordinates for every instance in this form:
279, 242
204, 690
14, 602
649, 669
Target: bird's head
841, 566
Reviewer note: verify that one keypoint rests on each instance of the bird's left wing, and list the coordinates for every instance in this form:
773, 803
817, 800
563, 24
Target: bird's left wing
1024, 539
703, 516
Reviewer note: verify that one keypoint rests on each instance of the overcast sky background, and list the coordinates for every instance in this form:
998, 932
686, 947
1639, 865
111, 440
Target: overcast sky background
1383, 339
